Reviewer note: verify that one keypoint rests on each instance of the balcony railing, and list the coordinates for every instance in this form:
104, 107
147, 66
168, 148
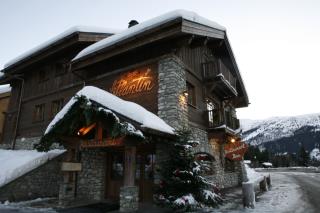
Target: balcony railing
217, 119
211, 70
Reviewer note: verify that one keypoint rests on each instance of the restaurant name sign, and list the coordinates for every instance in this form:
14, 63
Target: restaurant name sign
102, 143
133, 82
235, 151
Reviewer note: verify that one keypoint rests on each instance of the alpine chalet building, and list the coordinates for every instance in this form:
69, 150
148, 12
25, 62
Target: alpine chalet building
178, 69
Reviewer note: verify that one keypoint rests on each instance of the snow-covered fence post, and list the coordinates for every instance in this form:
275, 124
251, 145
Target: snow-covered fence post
269, 181
263, 185
249, 199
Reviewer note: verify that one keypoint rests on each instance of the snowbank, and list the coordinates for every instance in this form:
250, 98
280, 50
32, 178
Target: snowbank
5, 88
57, 38
144, 26
125, 108
252, 175
15, 163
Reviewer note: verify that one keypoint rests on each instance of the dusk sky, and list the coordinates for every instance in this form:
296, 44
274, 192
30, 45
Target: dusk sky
276, 42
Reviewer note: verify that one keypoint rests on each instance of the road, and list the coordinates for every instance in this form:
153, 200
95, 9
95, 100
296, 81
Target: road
308, 186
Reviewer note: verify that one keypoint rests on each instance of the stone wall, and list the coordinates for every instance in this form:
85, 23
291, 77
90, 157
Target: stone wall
27, 144
91, 180
201, 136
172, 104
41, 182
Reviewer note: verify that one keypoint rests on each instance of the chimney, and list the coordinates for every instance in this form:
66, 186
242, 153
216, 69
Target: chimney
132, 23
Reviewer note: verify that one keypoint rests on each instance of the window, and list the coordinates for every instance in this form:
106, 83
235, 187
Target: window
191, 94
42, 76
38, 114
56, 106
61, 68
117, 166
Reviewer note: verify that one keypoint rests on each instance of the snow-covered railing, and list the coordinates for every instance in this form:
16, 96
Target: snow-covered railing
254, 181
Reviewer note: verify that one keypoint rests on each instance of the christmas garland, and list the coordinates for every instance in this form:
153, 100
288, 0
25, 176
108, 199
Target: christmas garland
84, 112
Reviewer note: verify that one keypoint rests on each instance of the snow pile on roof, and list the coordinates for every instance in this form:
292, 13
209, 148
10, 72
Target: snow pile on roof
125, 108
147, 25
315, 154
5, 88
15, 163
252, 175
59, 37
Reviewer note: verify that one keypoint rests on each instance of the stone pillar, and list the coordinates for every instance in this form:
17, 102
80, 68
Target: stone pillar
129, 193
129, 198
172, 104
91, 179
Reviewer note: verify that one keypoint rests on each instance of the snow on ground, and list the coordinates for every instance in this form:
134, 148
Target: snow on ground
144, 26
284, 197
59, 37
25, 206
15, 163
125, 108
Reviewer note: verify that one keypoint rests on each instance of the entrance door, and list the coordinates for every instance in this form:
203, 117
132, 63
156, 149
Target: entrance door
114, 174
145, 176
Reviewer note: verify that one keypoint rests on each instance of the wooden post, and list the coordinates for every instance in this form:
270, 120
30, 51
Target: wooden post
248, 193
129, 165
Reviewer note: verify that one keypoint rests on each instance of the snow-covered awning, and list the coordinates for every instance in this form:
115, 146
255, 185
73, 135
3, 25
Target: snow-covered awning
57, 38
147, 25
117, 105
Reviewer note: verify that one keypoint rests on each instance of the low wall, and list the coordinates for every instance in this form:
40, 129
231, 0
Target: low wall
40, 182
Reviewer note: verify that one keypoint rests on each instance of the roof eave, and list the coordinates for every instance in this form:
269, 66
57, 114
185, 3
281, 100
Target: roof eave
185, 27
69, 40
245, 95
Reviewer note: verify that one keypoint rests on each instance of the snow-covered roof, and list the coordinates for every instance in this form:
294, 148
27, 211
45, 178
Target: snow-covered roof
267, 164
127, 109
147, 25
5, 88
15, 163
59, 37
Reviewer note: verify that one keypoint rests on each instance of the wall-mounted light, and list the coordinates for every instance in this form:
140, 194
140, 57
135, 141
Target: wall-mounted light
233, 140
185, 93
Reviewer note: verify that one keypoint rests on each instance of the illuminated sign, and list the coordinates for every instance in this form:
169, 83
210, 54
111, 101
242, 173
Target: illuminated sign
133, 82
102, 143
235, 151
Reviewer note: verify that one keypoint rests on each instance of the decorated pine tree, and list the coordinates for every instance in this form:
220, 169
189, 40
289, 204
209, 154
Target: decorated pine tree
182, 186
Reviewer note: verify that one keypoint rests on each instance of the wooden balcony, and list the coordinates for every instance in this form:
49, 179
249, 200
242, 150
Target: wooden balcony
216, 119
219, 79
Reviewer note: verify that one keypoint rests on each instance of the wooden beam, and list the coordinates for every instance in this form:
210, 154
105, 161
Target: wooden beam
129, 165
